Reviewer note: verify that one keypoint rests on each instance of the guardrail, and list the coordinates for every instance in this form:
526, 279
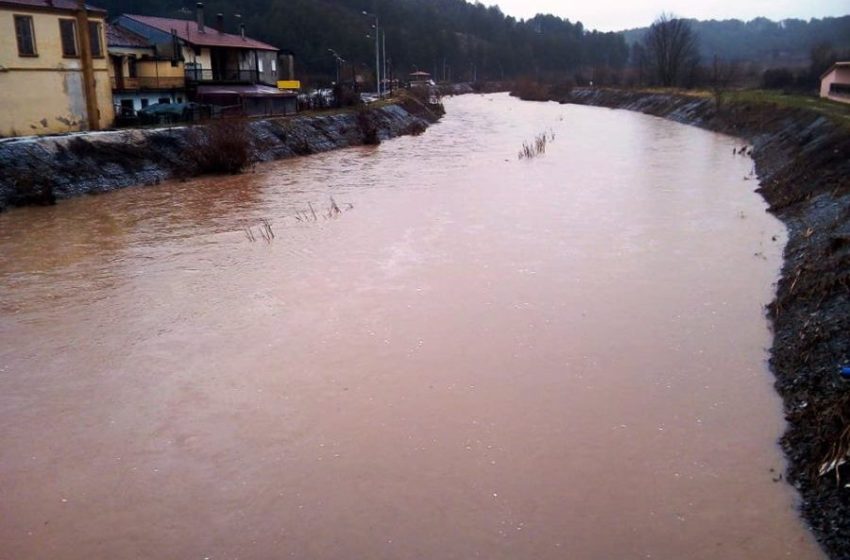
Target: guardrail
225, 75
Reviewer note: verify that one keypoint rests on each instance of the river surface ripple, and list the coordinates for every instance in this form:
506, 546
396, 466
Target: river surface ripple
553, 358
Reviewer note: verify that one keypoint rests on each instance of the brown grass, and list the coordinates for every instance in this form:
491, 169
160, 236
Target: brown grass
221, 147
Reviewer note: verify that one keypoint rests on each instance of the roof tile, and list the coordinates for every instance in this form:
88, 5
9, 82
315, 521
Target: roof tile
187, 30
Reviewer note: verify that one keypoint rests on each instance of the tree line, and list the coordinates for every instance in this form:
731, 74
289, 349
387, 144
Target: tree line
461, 41
770, 43
668, 54
451, 39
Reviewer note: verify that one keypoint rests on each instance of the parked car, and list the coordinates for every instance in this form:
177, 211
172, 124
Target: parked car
164, 113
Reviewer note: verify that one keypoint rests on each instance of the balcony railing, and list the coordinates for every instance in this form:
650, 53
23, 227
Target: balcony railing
125, 84
225, 75
148, 82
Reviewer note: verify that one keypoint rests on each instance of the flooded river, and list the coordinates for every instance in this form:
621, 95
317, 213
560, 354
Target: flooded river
478, 357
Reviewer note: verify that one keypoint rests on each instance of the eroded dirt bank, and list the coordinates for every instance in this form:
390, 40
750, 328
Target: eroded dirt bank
38, 170
802, 160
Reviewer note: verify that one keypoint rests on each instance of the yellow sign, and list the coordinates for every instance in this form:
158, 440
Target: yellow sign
289, 84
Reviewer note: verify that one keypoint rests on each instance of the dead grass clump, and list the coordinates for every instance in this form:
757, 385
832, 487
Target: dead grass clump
264, 230
224, 146
332, 211
831, 445
536, 147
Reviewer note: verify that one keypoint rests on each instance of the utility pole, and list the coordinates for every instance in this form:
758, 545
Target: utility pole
384, 41
377, 52
87, 63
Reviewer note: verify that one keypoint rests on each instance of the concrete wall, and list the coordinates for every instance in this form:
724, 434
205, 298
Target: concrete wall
840, 75
203, 58
44, 94
269, 71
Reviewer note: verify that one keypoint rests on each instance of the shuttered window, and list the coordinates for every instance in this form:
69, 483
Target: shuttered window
25, 35
68, 32
96, 44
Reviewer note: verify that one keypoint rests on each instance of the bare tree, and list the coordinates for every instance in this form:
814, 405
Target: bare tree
723, 74
671, 50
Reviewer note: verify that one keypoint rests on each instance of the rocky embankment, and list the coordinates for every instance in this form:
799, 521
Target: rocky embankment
803, 162
39, 170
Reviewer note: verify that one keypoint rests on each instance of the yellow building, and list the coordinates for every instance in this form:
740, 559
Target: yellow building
53, 68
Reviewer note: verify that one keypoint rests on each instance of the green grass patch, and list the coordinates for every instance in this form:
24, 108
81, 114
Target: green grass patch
837, 112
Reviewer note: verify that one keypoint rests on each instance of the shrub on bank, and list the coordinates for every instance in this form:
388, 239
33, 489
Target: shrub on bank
221, 147
530, 90
368, 127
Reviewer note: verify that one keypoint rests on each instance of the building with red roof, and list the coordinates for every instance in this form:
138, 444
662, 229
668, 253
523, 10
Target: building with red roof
210, 54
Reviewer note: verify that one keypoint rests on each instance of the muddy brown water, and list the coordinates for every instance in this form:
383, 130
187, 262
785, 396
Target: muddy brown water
479, 357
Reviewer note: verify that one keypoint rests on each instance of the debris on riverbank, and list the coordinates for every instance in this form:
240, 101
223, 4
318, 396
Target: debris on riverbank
802, 159
41, 170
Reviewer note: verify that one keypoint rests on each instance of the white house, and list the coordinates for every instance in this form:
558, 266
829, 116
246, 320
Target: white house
835, 82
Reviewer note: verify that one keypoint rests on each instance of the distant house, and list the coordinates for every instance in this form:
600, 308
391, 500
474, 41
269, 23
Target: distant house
53, 68
420, 79
139, 74
220, 68
835, 82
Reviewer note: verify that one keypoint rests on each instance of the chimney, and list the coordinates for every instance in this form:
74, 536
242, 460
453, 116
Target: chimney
242, 30
219, 22
200, 15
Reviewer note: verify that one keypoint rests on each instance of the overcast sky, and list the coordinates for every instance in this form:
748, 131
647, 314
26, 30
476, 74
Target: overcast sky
616, 15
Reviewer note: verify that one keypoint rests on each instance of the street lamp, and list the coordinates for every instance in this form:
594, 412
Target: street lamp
339, 61
384, 68
377, 53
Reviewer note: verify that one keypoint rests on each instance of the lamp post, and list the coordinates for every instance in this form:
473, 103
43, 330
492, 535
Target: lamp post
377, 53
384, 68
339, 60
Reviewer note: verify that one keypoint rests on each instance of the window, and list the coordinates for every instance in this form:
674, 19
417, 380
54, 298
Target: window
68, 32
132, 72
164, 100
94, 37
144, 103
260, 65
26, 36
127, 109
274, 65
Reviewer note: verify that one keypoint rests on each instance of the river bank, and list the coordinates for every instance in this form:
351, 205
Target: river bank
802, 160
454, 340
41, 170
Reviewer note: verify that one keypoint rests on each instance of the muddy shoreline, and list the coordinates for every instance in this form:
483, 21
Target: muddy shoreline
802, 160
41, 170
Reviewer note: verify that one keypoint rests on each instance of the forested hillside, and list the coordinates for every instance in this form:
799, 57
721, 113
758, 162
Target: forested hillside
449, 38
787, 42
457, 40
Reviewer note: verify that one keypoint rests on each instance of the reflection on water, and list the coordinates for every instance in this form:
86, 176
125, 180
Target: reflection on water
484, 357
